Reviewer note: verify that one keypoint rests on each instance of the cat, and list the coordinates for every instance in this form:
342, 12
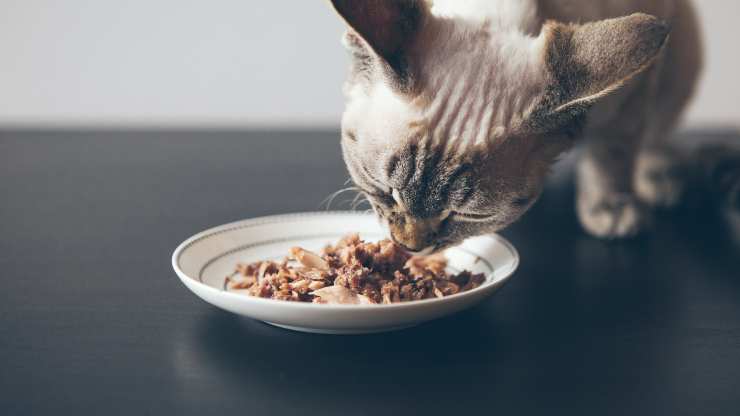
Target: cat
457, 109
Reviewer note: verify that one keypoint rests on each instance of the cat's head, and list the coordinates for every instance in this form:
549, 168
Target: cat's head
451, 125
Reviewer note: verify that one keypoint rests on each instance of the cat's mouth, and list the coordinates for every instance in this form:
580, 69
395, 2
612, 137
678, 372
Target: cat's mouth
423, 252
433, 248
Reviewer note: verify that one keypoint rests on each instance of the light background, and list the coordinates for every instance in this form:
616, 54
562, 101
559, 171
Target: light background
226, 63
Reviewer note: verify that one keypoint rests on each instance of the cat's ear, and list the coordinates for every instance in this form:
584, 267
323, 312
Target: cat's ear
588, 62
387, 27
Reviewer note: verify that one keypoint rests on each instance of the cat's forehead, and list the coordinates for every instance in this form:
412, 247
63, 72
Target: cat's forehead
470, 84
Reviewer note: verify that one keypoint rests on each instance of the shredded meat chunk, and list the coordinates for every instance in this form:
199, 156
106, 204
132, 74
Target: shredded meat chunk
352, 272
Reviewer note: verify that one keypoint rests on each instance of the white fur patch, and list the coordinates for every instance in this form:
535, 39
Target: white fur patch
508, 14
380, 114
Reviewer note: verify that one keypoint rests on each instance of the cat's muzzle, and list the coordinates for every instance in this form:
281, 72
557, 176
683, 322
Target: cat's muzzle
414, 234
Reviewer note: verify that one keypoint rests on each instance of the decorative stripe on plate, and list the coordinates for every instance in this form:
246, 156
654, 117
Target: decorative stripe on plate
273, 219
268, 242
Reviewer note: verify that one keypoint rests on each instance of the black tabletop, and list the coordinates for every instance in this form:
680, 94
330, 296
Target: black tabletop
94, 321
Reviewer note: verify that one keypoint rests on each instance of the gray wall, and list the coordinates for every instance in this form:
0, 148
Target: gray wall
231, 63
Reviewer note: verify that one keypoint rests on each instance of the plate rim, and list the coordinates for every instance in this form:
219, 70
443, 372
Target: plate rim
188, 280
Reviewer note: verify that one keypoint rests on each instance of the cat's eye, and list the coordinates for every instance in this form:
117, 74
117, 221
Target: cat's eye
388, 200
470, 217
381, 198
396, 196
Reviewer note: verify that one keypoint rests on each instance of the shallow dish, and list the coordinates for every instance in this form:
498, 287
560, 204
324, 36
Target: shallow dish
203, 261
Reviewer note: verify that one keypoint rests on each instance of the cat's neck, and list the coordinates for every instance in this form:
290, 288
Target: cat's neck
516, 15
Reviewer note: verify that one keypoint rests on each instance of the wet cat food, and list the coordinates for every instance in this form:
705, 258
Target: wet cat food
352, 272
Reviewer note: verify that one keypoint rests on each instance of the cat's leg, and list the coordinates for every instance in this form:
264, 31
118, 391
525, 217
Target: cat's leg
661, 176
606, 205
662, 172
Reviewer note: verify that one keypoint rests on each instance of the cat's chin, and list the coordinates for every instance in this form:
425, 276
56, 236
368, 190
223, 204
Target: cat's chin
424, 252
441, 246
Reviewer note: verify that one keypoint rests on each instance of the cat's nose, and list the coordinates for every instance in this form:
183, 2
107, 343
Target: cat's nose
414, 235
418, 251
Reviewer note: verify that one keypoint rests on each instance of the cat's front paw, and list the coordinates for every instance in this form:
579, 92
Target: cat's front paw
612, 216
660, 179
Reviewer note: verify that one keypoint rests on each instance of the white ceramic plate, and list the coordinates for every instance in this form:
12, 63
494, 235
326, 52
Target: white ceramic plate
203, 261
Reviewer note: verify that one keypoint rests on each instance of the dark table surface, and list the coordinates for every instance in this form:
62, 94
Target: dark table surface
94, 321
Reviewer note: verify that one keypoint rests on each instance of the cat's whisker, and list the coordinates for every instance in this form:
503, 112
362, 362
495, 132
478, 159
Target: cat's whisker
355, 199
358, 200
330, 199
359, 204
